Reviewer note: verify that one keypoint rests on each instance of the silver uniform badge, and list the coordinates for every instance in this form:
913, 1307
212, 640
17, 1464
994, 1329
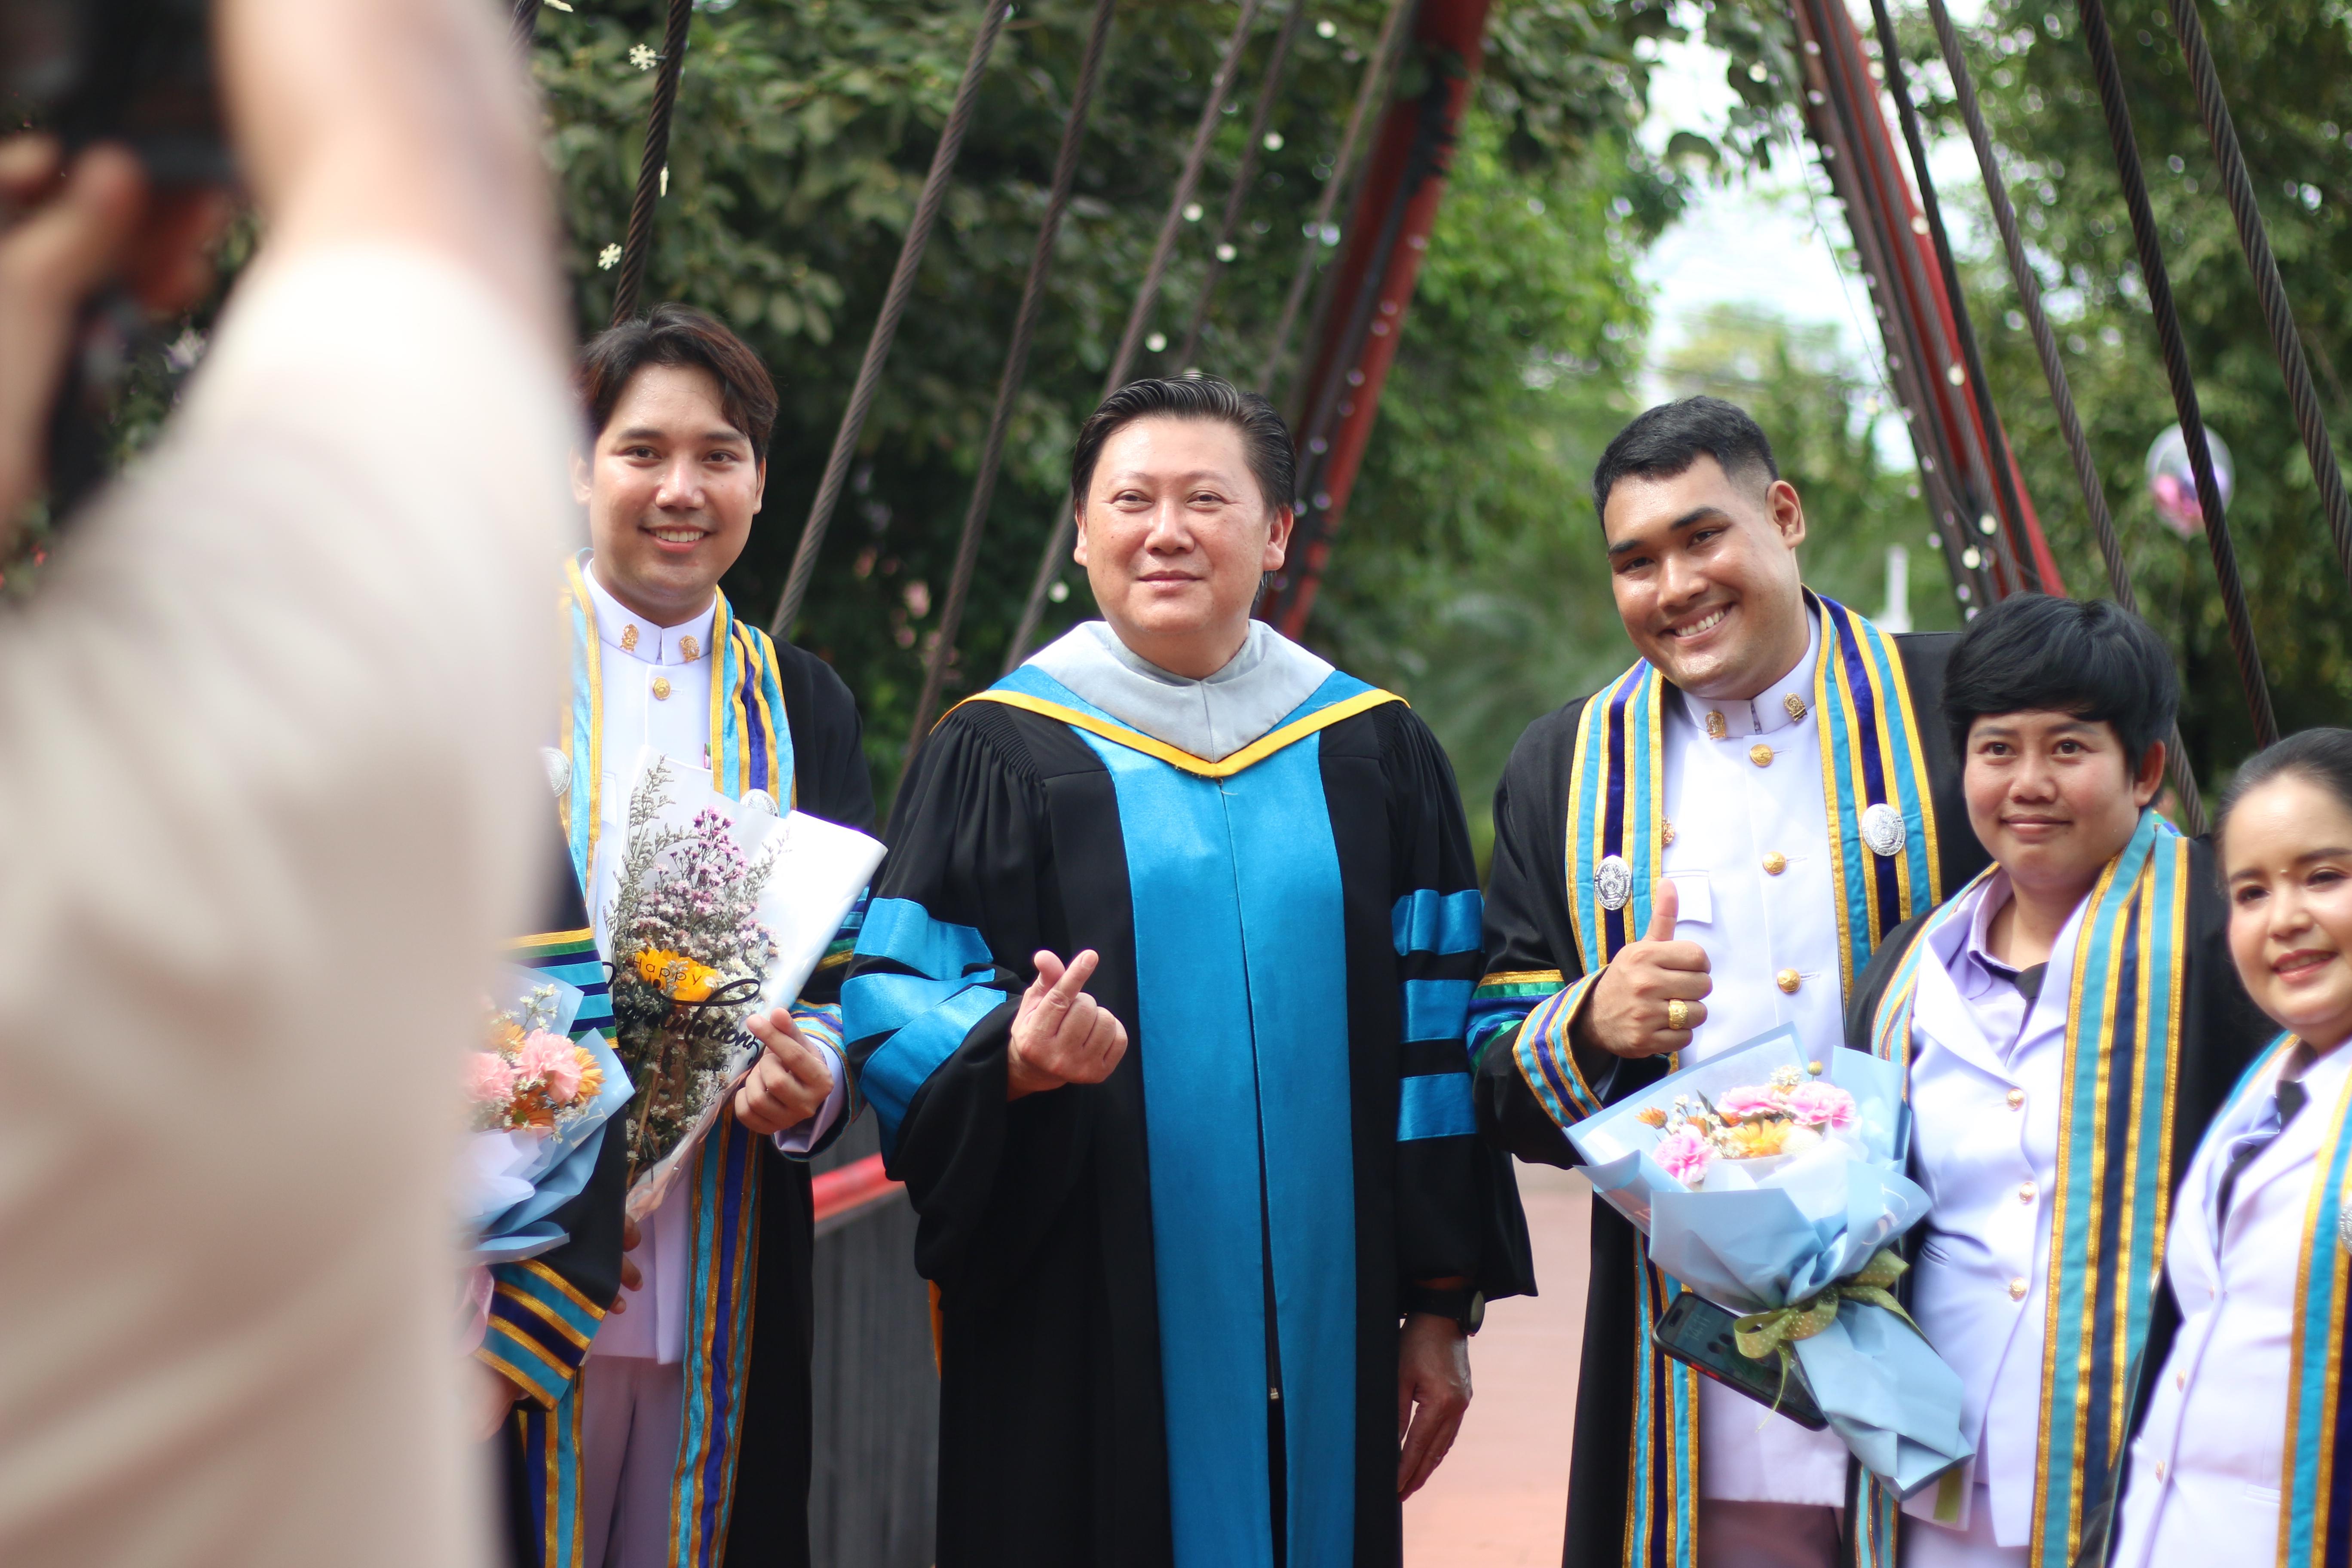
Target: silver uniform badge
558, 769
758, 802
1882, 829
1613, 881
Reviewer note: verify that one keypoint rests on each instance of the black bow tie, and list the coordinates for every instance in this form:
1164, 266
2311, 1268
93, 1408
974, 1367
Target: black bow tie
2289, 1099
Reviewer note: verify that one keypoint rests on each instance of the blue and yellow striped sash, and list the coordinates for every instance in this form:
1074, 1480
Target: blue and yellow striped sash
750, 743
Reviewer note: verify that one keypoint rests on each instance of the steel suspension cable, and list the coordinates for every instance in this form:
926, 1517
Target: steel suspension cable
1008, 386
2158, 283
2004, 477
1230, 223
640, 237
2254, 238
2053, 370
1343, 165
886, 326
1058, 539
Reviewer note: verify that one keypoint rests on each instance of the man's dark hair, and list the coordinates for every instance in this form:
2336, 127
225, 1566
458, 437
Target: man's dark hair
2085, 657
1265, 440
1665, 441
2324, 757
679, 335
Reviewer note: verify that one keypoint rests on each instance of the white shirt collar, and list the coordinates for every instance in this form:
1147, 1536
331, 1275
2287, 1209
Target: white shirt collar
1787, 701
1211, 719
625, 631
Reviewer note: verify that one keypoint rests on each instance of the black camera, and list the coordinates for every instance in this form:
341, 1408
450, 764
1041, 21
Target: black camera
134, 72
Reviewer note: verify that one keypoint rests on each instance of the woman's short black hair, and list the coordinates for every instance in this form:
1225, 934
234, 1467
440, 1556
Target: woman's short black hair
2085, 657
1666, 440
2323, 756
1265, 440
682, 337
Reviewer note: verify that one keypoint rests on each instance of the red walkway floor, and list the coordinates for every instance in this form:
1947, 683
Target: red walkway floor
1501, 1498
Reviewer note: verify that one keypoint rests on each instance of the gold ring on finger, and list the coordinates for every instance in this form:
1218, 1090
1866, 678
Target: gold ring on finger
1677, 1014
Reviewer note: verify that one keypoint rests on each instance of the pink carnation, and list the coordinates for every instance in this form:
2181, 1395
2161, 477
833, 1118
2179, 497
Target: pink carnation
489, 1078
1821, 1105
1744, 1104
554, 1061
1685, 1154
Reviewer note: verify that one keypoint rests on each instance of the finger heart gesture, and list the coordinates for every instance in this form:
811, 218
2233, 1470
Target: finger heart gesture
1061, 1034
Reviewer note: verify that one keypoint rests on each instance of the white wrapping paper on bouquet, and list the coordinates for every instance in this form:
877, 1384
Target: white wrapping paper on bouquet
1756, 1235
815, 871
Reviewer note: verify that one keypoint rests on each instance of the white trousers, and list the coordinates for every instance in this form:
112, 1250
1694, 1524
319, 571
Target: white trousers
631, 1411
1766, 1534
1926, 1545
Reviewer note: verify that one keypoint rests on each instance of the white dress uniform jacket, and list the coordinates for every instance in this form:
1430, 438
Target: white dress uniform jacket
2204, 1485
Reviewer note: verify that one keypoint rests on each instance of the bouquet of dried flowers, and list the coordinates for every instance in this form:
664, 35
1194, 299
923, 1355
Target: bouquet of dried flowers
1790, 1112
689, 955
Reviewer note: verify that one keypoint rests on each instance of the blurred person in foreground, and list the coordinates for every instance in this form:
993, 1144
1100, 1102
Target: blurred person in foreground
266, 808
659, 1435
1160, 1004
2070, 1020
2241, 1459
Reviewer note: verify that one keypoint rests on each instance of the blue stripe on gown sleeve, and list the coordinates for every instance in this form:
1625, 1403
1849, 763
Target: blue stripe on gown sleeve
1436, 1009
1429, 922
1435, 1105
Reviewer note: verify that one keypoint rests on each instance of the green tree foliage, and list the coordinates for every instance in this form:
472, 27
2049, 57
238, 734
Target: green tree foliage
2286, 67
802, 132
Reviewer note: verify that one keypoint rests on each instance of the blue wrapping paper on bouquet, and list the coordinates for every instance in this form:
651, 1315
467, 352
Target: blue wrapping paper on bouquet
514, 1179
1755, 1235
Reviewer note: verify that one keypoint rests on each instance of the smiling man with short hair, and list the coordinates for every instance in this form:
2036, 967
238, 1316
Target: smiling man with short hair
1708, 846
680, 1431
1160, 1004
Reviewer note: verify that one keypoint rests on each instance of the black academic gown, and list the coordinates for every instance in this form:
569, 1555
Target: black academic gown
2221, 1032
1529, 928
1036, 1217
768, 1527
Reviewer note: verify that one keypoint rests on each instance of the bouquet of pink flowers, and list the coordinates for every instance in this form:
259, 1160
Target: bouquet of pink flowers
539, 1098
1790, 1113
1769, 1179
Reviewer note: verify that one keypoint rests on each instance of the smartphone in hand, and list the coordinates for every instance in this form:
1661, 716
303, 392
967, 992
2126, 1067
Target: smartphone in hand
1697, 1333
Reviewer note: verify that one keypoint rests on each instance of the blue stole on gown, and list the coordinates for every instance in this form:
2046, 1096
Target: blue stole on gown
1241, 985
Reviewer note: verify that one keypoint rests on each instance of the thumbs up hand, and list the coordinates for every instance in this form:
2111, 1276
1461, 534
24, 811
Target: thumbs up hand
1649, 1000
1061, 1034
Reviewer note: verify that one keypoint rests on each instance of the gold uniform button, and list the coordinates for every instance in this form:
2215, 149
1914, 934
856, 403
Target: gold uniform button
661, 689
2160, 1469
1789, 980
2025, 1193
2016, 1098
1775, 863
689, 649
629, 639
1761, 754
2181, 1378
2018, 1287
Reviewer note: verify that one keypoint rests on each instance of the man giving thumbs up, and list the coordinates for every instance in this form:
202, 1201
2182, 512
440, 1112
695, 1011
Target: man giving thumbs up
1709, 846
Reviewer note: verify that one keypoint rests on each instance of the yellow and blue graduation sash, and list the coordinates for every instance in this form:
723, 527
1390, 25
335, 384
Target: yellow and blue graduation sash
751, 748
2114, 1191
1871, 756
2315, 1527
751, 744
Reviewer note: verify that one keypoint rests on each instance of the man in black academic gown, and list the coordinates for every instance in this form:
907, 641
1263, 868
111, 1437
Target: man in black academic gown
690, 1438
1707, 848
1159, 1002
